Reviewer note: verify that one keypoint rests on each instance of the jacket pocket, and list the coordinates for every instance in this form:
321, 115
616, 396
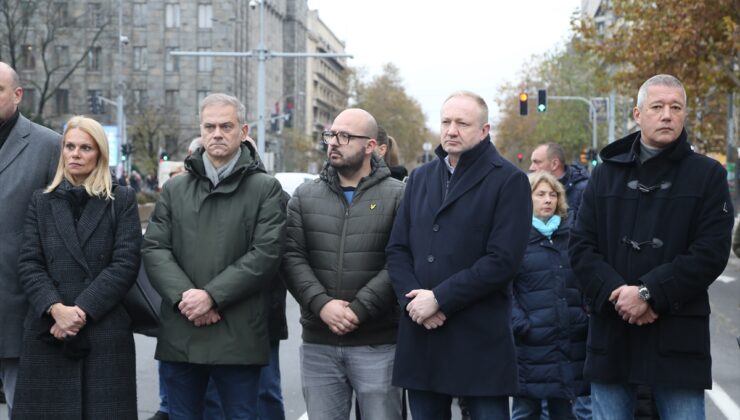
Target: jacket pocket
599, 332
684, 335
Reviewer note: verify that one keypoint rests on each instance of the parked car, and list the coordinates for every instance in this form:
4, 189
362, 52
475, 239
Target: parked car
291, 180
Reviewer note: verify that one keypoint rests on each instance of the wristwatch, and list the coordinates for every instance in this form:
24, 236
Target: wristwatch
643, 293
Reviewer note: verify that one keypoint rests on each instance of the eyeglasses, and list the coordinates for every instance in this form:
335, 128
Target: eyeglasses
342, 137
226, 128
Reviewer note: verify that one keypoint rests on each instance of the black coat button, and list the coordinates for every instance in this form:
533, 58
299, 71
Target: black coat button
435, 228
430, 258
55, 283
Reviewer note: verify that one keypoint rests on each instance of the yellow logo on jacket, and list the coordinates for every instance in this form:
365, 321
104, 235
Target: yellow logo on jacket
372, 206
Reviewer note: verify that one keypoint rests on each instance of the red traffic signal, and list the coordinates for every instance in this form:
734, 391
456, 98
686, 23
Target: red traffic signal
520, 156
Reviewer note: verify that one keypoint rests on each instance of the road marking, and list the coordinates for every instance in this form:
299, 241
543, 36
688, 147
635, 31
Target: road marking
726, 405
303, 417
726, 279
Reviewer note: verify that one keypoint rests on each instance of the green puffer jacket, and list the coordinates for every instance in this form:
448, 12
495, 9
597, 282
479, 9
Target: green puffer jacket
226, 240
336, 250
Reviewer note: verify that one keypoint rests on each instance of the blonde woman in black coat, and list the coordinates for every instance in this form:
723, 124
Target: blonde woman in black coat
76, 264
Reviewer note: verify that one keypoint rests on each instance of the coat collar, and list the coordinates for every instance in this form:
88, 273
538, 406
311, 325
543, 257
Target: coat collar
16, 142
378, 172
627, 149
472, 167
247, 164
75, 239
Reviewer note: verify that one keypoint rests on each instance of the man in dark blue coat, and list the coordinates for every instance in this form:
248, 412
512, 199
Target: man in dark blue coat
456, 243
653, 232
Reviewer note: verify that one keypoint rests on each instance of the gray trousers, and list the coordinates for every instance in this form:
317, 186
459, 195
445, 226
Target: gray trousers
9, 376
331, 373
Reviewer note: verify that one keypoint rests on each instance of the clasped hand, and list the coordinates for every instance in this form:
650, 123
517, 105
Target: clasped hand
339, 317
68, 320
196, 303
630, 307
424, 309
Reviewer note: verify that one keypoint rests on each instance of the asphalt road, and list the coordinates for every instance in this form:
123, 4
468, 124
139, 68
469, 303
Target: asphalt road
720, 404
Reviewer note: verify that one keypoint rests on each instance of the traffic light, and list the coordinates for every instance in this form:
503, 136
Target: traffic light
542, 100
523, 97
94, 103
585, 155
520, 157
593, 157
126, 150
164, 156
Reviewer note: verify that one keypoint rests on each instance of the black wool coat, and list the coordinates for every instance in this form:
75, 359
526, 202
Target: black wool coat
666, 223
465, 243
549, 320
92, 265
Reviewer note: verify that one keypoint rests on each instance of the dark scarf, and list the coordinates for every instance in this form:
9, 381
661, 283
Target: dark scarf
7, 126
77, 198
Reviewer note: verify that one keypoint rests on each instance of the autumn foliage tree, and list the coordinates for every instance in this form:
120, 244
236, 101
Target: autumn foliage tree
697, 41
385, 97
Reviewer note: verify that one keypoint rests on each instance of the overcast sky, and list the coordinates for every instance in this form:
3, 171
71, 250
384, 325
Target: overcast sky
442, 46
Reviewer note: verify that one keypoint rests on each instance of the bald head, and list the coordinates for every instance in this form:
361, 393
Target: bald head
11, 92
361, 122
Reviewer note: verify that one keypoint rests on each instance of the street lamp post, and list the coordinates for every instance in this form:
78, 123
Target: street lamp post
262, 54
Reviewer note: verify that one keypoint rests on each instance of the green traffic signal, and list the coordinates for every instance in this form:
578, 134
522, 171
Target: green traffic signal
542, 100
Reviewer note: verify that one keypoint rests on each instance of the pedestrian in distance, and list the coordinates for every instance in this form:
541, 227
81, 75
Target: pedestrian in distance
79, 258
457, 242
548, 317
550, 157
212, 246
388, 150
29, 155
334, 265
653, 233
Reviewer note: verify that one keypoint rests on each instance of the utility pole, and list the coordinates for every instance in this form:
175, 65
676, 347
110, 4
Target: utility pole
592, 110
262, 54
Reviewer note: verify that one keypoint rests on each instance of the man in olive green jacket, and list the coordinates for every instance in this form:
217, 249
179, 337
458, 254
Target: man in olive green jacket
334, 266
213, 243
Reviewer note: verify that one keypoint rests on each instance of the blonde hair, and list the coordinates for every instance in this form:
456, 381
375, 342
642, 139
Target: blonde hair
536, 178
99, 182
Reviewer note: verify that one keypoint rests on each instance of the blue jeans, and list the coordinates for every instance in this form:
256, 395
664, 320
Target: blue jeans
270, 406
186, 385
427, 405
617, 402
530, 409
330, 374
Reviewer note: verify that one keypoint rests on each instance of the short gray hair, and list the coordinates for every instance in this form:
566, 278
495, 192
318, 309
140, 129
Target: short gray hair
224, 99
475, 97
659, 80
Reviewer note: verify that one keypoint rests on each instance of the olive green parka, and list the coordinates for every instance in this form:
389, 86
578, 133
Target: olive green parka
225, 240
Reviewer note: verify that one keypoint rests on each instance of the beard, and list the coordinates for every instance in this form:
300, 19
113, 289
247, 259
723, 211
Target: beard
347, 164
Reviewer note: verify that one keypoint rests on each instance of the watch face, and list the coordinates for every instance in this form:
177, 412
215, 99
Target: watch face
644, 293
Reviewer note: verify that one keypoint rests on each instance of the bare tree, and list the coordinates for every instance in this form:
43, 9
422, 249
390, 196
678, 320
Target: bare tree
38, 23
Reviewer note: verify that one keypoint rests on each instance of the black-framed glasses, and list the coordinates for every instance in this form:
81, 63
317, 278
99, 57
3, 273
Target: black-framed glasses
342, 136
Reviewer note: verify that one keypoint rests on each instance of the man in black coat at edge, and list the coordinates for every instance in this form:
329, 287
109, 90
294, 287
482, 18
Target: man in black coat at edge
653, 232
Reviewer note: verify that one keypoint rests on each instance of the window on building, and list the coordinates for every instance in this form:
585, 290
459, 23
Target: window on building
205, 64
61, 101
61, 56
139, 100
94, 57
171, 99
28, 104
171, 62
200, 95
172, 15
61, 13
205, 16
140, 58
28, 60
139, 14
95, 15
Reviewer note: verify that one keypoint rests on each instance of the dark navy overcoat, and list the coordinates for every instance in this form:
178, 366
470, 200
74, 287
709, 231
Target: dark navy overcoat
465, 242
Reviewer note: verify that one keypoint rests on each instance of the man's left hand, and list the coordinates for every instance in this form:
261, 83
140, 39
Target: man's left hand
628, 304
422, 305
195, 303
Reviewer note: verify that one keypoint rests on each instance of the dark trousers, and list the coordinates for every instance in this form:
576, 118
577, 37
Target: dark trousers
426, 405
